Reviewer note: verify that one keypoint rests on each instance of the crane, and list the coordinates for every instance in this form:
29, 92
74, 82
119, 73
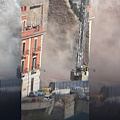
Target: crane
77, 74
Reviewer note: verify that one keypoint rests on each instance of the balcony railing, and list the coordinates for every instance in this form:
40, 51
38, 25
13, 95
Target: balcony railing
36, 50
35, 67
24, 53
30, 31
25, 70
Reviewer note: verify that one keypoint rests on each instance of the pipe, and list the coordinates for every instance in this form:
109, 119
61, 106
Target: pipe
84, 57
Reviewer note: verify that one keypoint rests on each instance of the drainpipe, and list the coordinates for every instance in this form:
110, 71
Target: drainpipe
28, 85
40, 59
84, 57
90, 28
29, 64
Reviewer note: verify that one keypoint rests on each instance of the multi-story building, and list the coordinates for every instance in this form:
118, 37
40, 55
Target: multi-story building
31, 45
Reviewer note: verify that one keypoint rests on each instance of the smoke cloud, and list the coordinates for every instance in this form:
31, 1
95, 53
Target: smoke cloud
105, 44
58, 56
10, 32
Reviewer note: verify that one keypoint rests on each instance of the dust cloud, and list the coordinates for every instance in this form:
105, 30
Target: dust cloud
10, 32
105, 44
59, 43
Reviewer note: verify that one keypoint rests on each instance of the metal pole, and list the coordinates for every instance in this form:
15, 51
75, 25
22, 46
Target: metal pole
28, 85
29, 64
40, 81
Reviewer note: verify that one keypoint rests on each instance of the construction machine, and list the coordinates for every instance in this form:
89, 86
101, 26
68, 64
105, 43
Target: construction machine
80, 67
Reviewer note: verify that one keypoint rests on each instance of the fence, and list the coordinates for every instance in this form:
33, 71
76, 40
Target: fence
10, 84
71, 84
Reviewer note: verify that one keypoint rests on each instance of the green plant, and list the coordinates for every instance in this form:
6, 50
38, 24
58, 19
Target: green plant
74, 8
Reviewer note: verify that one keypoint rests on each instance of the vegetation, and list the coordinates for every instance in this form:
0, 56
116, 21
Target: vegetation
74, 8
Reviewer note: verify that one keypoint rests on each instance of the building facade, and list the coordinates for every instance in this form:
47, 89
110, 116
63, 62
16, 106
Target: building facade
31, 46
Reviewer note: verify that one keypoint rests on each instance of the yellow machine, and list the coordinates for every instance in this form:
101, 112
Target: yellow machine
47, 90
96, 97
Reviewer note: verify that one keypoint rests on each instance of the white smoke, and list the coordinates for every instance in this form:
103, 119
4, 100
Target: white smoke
58, 56
9, 38
105, 43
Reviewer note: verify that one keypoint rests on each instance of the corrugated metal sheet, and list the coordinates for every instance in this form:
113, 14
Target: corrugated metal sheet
114, 91
110, 91
10, 82
71, 84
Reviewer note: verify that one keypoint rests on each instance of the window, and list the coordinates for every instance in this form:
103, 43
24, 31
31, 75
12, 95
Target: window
22, 66
25, 8
34, 64
23, 48
22, 9
23, 25
22, 82
32, 83
35, 44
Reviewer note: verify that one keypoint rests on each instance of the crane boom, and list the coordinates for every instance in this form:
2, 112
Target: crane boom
77, 74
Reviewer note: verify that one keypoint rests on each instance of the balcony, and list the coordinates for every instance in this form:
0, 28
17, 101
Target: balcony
24, 53
35, 51
30, 31
24, 9
35, 68
25, 70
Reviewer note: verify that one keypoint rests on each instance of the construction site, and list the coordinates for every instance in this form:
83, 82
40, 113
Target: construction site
61, 65
60, 41
104, 93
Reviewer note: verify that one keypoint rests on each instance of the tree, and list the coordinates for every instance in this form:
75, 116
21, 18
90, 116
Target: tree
74, 8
